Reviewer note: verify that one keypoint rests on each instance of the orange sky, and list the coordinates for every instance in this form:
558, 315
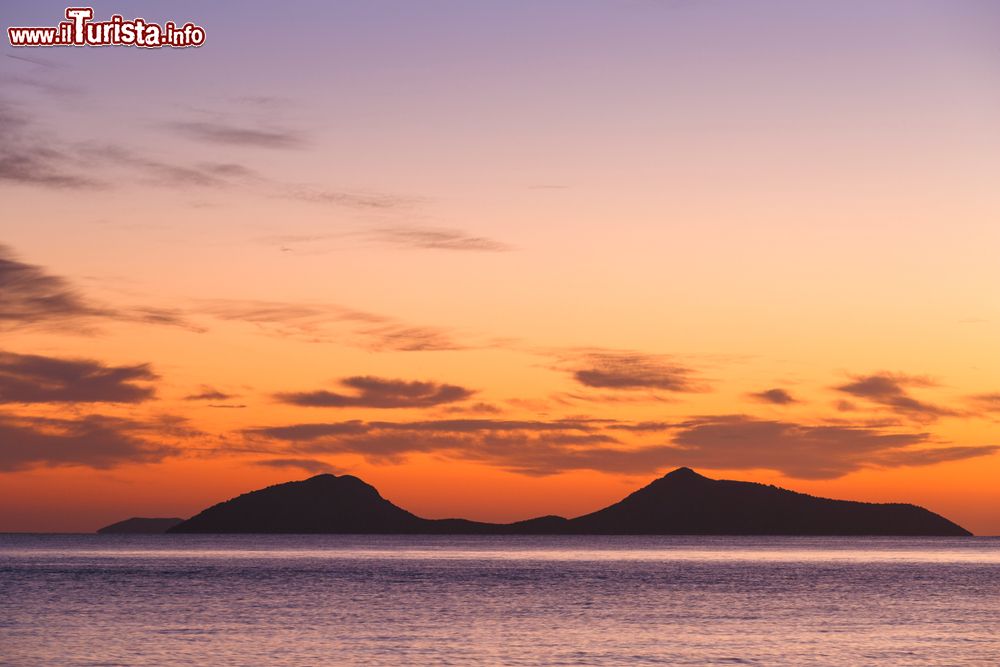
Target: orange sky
502, 261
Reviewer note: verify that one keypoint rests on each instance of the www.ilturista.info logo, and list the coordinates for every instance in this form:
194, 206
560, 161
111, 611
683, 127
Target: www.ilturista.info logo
80, 30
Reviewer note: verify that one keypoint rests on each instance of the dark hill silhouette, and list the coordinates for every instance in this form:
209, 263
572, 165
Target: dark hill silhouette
321, 504
686, 503
140, 524
679, 503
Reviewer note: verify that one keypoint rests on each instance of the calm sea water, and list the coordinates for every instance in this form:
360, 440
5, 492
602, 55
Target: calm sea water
352, 600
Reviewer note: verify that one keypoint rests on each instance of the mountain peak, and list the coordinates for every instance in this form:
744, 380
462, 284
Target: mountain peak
343, 481
323, 503
683, 473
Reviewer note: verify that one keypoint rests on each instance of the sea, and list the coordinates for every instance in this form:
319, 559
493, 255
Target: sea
484, 600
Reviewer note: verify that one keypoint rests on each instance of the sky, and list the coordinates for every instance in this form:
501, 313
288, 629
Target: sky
501, 259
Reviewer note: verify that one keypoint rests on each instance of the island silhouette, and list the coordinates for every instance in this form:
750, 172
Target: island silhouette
681, 502
139, 524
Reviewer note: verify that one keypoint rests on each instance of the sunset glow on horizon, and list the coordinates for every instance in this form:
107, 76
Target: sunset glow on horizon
501, 262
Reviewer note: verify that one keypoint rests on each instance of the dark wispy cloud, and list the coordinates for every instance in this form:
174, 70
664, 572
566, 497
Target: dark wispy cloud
207, 393
806, 451
218, 132
437, 239
642, 427
776, 396
30, 296
309, 465
152, 171
635, 371
373, 392
890, 390
549, 447
262, 101
569, 398
305, 316
400, 236
44, 85
325, 323
308, 432
94, 441
321, 431
347, 198
31, 155
40, 62
393, 337
28, 156
474, 408
27, 378
485, 425
529, 447
986, 402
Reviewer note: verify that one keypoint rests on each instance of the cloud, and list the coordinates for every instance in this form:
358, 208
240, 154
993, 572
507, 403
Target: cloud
349, 199
528, 447
307, 432
170, 317
264, 101
324, 323
400, 236
206, 393
642, 427
94, 441
29, 157
776, 396
42, 85
394, 337
474, 408
380, 393
635, 371
805, 451
483, 425
41, 62
320, 431
550, 447
889, 390
305, 315
36, 379
986, 402
309, 465
30, 296
235, 135
609, 397
437, 239
167, 174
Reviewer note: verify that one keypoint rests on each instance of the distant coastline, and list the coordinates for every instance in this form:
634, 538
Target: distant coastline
682, 502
